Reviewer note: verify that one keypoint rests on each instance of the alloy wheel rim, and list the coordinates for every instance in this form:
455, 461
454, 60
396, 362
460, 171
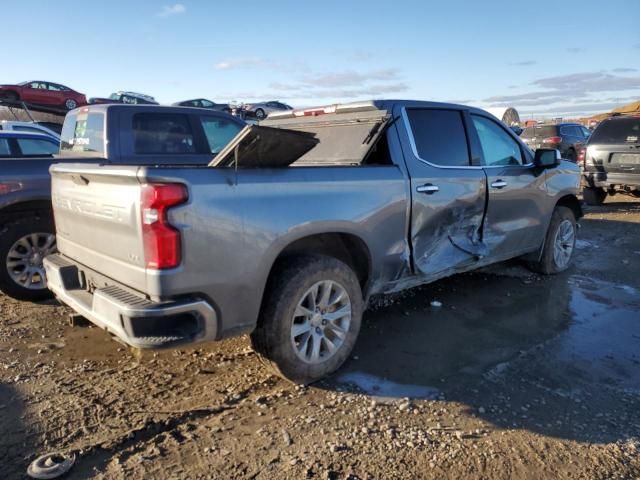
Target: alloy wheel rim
24, 260
564, 244
321, 322
71, 104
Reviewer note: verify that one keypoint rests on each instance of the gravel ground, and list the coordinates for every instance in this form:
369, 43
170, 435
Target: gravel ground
510, 375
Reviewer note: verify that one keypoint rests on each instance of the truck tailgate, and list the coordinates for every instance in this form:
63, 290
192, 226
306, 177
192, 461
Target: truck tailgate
97, 216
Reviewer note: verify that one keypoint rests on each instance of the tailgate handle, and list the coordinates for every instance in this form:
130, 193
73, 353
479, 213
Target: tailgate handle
428, 188
79, 180
499, 184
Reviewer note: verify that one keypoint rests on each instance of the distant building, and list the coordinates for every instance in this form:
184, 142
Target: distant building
508, 115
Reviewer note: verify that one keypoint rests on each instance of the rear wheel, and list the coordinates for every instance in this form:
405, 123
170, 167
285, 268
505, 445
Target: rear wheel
310, 317
260, 114
593, 195
70, 104
23, 246
559, 243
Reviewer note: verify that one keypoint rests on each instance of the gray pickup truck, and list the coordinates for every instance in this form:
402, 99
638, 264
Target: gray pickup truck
296, 222
26, 217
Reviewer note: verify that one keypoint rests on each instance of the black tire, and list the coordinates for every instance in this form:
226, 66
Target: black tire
9, 235
70, 104
594, 196
571, 155
547, 264
272, 338
260, 115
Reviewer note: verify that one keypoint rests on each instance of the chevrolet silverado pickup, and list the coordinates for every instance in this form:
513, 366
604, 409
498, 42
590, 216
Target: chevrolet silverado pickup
169, 135
289, 229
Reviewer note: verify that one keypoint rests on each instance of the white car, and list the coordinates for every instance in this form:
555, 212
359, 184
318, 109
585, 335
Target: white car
27, 127
262, 109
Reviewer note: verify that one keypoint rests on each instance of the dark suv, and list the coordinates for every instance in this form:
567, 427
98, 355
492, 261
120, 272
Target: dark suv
611, 160
566, 137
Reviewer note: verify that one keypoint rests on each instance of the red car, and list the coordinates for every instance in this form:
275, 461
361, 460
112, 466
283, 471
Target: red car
44, 94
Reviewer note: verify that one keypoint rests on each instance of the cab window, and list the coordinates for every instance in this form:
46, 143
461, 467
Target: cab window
439, 136
36, 146
498, 147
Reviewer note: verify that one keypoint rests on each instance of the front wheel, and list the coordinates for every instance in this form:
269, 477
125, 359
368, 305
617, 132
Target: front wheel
310, 317
559, 243
260, 114
23, 246
70, 104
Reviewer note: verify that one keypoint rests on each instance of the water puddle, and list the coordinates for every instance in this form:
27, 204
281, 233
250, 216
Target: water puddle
385, 390
573, 330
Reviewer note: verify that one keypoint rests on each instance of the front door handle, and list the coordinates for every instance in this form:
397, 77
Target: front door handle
499, 184
428, 188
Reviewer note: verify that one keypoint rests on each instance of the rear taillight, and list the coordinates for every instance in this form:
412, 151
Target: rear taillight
552, 140
582, 153
162, 248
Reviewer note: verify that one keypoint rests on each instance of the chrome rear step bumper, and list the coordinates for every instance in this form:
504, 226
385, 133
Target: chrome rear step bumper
136, 321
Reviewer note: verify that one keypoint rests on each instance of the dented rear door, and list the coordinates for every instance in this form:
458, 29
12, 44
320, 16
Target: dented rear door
448, 193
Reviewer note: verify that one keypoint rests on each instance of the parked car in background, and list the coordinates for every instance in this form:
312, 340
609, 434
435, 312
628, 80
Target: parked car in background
566, 137
131, 98
33, 127
204, 103
295, 223
43, 93
15, 144
262, 109
141, 134
53, 126
610, 161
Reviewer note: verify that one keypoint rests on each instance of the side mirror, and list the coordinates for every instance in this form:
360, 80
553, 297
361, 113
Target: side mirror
546, 157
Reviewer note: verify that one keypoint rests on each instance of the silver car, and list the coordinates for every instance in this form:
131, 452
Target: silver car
263, 109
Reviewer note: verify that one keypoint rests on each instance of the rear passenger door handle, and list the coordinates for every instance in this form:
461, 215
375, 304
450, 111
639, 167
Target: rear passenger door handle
428, 188
499, 184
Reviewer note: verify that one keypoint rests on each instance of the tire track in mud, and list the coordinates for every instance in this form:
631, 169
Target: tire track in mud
95, 458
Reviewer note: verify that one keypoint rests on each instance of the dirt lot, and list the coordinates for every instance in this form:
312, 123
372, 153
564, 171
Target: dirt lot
514, 376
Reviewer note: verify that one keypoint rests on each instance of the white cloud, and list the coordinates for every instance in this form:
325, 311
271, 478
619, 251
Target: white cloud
242, 62
170, 10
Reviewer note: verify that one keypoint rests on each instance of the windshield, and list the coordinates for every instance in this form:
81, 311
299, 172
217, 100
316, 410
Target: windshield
83, 133
622, 130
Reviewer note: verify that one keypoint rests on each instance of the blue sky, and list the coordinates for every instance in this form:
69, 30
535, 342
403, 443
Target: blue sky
543, 57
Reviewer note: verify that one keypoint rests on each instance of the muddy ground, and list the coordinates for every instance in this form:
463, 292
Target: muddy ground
514, 376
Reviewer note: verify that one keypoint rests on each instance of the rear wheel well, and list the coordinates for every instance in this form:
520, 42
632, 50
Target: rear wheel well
571, 202
17, 211
347, 248
9, 93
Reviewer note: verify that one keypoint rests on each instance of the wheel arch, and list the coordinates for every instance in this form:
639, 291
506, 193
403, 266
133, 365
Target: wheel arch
17, 210
571, 201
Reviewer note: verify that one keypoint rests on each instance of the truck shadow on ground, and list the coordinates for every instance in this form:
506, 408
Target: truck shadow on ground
16, 444
558, 355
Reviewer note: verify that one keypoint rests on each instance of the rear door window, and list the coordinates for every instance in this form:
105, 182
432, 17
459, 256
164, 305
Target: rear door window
162, 133
83, 134
498, 147
4, 147
439, 136
621, 131
219, 131
36, 146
